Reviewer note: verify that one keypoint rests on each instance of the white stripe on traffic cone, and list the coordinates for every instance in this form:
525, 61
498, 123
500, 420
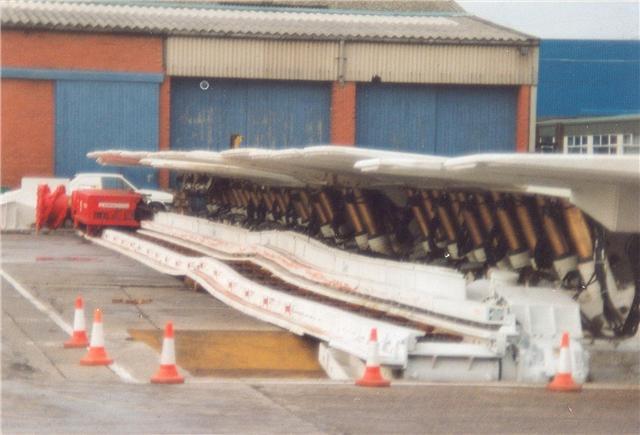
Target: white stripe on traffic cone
168, 371
563, 380
97, 355
372, 376
79, 337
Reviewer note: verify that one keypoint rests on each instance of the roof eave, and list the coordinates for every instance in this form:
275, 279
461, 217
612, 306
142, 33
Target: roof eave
532, 42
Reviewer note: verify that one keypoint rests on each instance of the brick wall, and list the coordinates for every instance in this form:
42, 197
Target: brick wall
28, 106
165, 127
523, 119
343, 113
26, 141
81, 51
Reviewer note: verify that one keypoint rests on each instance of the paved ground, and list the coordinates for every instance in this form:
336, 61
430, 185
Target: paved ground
44, 390
255, 407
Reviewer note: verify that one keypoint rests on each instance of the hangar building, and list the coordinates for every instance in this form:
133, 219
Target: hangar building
81, 76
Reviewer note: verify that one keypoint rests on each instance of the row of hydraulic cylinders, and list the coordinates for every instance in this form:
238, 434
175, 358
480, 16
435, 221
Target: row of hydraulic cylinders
523, 223
516, 222
282, 205
505, 230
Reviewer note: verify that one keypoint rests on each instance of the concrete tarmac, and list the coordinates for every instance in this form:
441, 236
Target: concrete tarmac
45, 390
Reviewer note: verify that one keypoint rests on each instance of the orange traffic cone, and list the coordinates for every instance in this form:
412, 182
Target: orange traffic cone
96, 356
372, 376
168, 372
563, 381
79, 336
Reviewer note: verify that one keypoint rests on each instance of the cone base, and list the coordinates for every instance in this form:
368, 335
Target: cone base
373, 383
563, 382
372, 378
178, 380
78, 339
564, 388
96, 357
71, 344
167, 375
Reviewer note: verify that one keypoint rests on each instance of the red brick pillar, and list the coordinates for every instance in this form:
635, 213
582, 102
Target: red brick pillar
165, 127
523, 116
27, 130
343, 113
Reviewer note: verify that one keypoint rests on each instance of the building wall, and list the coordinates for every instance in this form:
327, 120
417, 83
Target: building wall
442, 64
164, 134
588, 78
252, 58
81, 51
343, 113
357, 64
27, 132
523, 118
604, 135
355, 61
34, 63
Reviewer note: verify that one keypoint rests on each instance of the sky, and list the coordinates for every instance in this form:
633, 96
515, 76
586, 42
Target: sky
563, 19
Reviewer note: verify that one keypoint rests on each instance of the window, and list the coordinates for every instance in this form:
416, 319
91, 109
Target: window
631, 143
605, 144
577, 144
114, 183
546, 144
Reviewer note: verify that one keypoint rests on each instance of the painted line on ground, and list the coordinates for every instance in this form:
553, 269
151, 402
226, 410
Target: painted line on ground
120, 371
36, 303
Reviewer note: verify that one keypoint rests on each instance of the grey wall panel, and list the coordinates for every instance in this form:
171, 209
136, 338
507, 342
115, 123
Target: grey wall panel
252, 58
318, 61
444, 64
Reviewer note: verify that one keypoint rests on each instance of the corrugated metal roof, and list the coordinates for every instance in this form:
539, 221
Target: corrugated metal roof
371, 5
254, 23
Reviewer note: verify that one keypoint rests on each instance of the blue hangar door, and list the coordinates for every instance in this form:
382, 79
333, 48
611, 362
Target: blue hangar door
441, 120
100, 115
268, 114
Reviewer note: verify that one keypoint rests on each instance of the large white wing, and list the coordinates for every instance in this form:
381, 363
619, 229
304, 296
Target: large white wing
606, 187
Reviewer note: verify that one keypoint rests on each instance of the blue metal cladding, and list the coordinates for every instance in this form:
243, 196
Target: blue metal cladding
580, 78
396, 117
475, 120
269, 114
440, 120
93, 115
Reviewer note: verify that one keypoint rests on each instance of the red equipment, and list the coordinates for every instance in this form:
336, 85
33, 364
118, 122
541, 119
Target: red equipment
96, 208
51, 207
92, 208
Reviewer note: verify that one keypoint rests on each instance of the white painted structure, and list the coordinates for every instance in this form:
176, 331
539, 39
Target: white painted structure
497, 320
510, 331
604, 186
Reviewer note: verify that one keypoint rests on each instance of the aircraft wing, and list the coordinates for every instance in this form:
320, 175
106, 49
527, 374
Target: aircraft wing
606, 187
